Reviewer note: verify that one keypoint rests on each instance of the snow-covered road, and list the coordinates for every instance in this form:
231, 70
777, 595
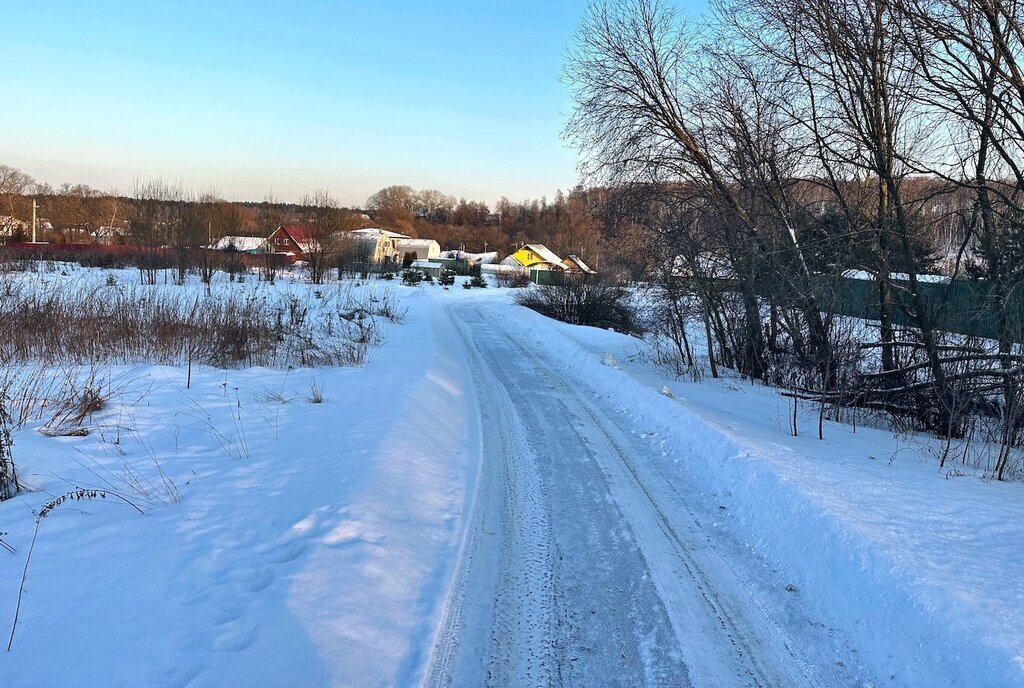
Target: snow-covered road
583, 566
488, 502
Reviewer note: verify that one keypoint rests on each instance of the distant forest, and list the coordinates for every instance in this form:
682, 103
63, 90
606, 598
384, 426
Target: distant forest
572, 223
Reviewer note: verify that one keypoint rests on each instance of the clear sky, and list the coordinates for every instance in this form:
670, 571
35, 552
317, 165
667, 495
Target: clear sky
251, 96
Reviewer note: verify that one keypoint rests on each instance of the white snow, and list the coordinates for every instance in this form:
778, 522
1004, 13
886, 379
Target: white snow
377, 231
311, 544
319, 544
240, 243
915, 563
870, 276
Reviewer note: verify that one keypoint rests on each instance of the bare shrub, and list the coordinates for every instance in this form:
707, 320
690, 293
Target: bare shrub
583, 301
385, 305
62, 395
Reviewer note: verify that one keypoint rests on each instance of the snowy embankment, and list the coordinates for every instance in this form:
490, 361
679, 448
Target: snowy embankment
283, 542
287, 542
915, 565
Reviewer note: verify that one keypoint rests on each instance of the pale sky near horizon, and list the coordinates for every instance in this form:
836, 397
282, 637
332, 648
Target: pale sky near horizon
254, 96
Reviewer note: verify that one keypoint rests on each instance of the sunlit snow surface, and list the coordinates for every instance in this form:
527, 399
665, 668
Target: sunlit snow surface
335, 544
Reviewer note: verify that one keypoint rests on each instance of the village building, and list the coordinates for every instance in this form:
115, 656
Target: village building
417, 249
109, 235
534, 257
242, 244
377, 245
9, 226
291, 240
405, 245
427, 267
575, 264
374, 231
471, 258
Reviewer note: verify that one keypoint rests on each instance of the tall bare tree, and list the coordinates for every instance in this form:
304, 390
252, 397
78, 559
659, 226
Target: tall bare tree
323, 221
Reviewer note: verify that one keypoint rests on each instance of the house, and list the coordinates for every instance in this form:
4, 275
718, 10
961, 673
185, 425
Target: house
374, 231
575, 264
534, 257
418, 249
376, 245
405, 245
242, 244
471, 258
290, 239
427, 267
9, 226
708, 266
109, 235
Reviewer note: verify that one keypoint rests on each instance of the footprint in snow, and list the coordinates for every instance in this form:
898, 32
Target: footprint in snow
290, 551
235, 636
351, 531
226, 614
253, 579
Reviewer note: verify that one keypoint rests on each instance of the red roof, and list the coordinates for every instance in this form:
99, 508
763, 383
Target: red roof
298, 233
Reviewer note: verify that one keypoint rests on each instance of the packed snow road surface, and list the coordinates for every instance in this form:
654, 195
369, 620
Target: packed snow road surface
495, 498
582, 566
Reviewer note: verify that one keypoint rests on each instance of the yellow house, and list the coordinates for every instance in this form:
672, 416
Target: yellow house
536, 257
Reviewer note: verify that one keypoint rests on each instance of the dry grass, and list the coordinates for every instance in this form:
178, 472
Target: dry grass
64, 324
316, 392
62, 395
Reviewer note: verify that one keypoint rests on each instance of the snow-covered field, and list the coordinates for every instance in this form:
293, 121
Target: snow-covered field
309, 546
487, 501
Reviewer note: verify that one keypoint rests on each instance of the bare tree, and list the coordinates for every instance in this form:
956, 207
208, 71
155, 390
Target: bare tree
394, 199
323, 220
268, 218
15, 207
714, 148
435, 205
154, 222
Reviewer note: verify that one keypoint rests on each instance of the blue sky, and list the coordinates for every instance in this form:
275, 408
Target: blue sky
257, 95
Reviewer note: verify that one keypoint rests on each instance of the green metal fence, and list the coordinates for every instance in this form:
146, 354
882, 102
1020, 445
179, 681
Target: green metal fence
547, 278
961, 306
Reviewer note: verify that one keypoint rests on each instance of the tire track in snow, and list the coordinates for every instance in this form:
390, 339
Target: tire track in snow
574, 607
761, 654
505, 561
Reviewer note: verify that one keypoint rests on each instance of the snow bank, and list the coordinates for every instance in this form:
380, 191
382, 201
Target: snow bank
918, 569
311, 543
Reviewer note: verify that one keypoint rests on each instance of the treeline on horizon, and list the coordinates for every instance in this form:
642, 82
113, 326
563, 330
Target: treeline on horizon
568, 223
601, 224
